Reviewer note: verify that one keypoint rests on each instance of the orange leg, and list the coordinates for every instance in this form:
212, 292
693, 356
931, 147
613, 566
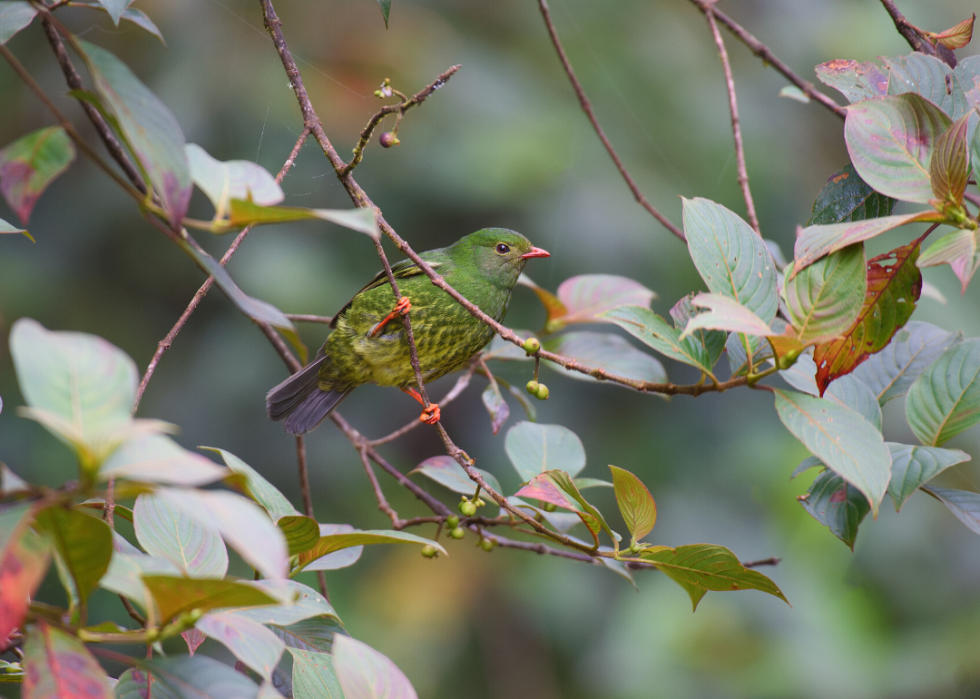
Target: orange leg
430, 415
401, 308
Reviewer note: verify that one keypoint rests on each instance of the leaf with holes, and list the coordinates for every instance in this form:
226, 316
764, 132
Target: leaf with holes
534, 449
825, 298
176, 595
83, 545
446, 472
732, 259
610, 353
699, 568
837, 505
891, 141
58, 666
635, 503
856, 81
364, 672
248, 640
841, 438
336, 542
889, 373
655, 332
846, 197
495, 404
24, 558
945, 399
894, 284
913, 466
163, 530
30, 164
949, 167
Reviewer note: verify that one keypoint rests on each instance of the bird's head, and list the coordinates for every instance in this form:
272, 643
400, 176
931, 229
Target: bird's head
498, 253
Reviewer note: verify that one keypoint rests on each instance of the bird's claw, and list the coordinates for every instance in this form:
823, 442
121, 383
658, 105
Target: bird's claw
431, 415
401, 308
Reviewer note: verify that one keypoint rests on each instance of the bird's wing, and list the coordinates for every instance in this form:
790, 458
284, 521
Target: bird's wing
400, 270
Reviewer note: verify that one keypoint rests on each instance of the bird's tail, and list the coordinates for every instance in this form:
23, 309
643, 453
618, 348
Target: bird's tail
300, 401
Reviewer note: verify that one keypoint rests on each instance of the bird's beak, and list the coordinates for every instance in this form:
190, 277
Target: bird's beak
536, 252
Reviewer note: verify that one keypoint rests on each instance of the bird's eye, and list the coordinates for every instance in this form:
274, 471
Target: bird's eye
503, 249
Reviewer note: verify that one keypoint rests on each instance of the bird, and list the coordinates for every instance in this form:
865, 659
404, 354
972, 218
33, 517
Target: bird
369, 344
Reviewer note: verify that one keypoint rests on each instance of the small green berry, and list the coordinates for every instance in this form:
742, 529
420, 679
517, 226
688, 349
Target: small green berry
452, 521
479, 502
487, 544
467, 508
457, 533
542, 393
532, 387
532, 345
377, 93
429, 551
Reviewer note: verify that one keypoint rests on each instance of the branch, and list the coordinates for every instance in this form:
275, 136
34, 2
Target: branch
304, 489
908, 30
587, 108
743, 173
379, 495
769, 58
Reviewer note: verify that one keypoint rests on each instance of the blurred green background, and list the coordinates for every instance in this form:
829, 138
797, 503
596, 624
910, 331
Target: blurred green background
505, 144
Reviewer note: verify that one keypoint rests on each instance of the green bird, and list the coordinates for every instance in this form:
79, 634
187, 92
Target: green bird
368, 344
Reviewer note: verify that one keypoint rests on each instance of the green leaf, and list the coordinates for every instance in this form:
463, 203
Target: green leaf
856, 81
242, 523
945, 399
949, 168
176, 595
713, 341
260, 490
913, 466
732, 259
635, 502
851, 393
234, 179
894, 284
725, 314
248, 640
962, 503
199, 677
58, 666
14, 16
30, 164
336, 542
559, 521
115, 8
364, 672
149, 128
652, 330
794, 93
313, 634
495, 404
446, 472
699, 568
583, 483
245, 213
80, 378
314, 677
24, 558
162, 530
83, 545
385, 6
825, 298
126, 571
889, 373
836, 505
846, 197
612, 353
136, 684
934, 80
130, 14
557, 488
815, 242
802, 375
958, 250
891, 140
841, 438
308, 603
158, 459
534, 449
301, 532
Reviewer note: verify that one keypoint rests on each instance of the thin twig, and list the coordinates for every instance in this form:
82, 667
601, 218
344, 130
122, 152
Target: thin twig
378, 493
306, 494
769, 58
774, 561
743, 173
167, 341
908, 30
587, 108
131, 610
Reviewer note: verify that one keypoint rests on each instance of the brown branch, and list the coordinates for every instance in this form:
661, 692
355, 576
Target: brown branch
774, 561
908, 30
378, 493
587, 108
743, 173
769, 58
167, 341
306, 494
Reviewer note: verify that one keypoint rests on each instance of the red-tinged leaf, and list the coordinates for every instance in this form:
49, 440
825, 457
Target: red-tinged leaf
364, 673
58, 666
824, 299
635, 502
496, 406
837, 505
950, 165
856, 81
581, 299
958, 250
894, 286
542, 488
193, 638
557, 488
30, 164
23, 562
958, 36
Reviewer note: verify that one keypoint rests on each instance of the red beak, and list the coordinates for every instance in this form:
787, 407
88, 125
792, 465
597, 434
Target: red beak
536, 252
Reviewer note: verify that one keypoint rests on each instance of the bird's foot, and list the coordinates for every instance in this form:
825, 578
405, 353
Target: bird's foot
403, 306
431, 415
